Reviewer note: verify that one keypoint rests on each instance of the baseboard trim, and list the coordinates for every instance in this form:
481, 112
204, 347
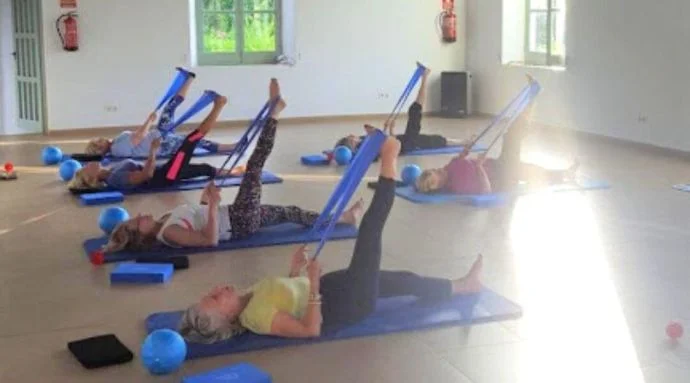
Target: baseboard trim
616, 141
227, 124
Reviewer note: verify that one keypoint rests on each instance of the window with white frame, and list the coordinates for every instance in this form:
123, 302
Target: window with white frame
545, 32
534, 32
238, 32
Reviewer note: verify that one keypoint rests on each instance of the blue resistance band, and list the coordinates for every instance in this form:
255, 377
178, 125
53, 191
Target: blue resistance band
255, 127
406, 93
527, 98
175, 87
205, 100
346, 187
517, 102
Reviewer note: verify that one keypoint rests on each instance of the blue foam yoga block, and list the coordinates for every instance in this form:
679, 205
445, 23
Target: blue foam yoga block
315, 160
239, 373
142, 273
92, 199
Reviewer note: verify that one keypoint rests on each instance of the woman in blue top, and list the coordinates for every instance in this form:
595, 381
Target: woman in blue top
137, 144
130, 174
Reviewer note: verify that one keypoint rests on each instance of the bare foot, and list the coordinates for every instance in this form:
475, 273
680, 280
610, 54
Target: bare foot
220, 100
530, 78
280, 106
235, 172
427, 71
352, 215
369, 129
470, 283
390, 148
274, 89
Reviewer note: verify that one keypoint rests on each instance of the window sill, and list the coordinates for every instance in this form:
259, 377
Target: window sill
553, 68
238, 65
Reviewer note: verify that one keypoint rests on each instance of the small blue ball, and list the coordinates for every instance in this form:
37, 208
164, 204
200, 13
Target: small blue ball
51, 155
111, 217
342, 155
68, 169
163, 352
410, 174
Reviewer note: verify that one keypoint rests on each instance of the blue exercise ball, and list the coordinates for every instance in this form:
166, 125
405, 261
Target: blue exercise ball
68, 169
163, 352
410, 173
51, 155
111, 217
342, 155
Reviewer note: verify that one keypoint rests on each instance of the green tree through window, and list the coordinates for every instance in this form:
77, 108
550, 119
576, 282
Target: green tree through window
545, 32
238, 31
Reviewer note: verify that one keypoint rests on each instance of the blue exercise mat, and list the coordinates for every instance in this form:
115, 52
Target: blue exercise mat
193, 184
682, 187
284, 234
410, 193
322, 160
392, 315
198, 152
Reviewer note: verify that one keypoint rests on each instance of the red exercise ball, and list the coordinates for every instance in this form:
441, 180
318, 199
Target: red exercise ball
674, 330
9, 167
97, 258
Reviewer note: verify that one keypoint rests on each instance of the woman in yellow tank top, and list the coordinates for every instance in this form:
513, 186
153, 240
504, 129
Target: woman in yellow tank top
307, 306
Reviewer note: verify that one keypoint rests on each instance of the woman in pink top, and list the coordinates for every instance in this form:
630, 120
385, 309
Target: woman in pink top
464, 175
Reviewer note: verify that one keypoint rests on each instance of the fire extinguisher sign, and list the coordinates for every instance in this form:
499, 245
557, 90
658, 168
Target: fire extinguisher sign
68, 3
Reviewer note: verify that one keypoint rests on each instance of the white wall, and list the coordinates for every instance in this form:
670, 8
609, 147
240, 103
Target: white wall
625, 59
8, 95
348, 52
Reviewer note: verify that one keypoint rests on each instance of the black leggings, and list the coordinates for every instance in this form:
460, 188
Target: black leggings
178, 167
412, 139
350, 295
247, 215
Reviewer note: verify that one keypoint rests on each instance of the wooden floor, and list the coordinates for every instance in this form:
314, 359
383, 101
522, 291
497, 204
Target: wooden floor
599, 274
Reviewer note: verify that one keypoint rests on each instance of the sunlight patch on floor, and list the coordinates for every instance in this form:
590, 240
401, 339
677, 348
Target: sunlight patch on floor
569, 300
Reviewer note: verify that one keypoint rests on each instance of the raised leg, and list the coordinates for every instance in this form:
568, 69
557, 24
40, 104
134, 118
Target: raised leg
245, 213
350, 295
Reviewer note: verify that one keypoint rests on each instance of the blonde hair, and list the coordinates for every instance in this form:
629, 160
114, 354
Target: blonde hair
198, 326
423, 183
124, 238
82, 181
94, 147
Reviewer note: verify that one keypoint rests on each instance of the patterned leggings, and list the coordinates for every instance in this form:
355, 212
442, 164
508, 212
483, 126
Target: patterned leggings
247, 215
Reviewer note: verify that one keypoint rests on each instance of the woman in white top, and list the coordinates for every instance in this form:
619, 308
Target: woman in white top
206, 225
137, 143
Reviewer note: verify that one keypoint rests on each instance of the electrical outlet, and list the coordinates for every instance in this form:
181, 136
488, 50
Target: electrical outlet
111, 108
642, 118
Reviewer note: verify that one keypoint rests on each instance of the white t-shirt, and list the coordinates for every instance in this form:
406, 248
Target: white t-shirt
122, 144
195, 217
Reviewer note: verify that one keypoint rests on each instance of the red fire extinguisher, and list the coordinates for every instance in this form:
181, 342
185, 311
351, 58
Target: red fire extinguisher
448, 22
70, 37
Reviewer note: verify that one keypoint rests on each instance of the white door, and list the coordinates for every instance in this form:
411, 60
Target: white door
27, 46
